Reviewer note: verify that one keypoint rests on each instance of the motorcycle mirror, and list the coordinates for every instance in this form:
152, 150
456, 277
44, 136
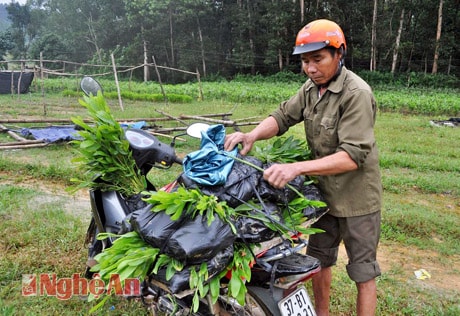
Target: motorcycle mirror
195, 129
90, 86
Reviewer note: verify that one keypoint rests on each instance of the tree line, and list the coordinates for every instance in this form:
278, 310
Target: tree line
229, 37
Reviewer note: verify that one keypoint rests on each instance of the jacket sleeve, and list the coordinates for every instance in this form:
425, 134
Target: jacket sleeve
290, 112
356, 126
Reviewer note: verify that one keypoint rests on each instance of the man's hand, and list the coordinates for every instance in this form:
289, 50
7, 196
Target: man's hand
278, 175
232, 140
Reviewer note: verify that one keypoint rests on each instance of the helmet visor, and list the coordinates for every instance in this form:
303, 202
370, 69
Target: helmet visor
311, 47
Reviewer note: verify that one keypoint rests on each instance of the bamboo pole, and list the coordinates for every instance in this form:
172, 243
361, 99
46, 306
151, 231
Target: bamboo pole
147, 119
24, 146
42, 79
167, 136
12, 84
116, 82
200, 88
159, 80
25, 142
183, 128
13, 134
172, 117
207, 119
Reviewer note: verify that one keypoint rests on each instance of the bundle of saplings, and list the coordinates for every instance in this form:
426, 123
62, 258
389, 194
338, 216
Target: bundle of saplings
104, 159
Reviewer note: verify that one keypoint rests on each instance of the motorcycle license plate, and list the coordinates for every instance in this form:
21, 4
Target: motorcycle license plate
297, 303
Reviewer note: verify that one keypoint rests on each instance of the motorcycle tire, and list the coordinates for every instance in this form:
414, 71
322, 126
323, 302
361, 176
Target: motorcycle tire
259, 302
94, 247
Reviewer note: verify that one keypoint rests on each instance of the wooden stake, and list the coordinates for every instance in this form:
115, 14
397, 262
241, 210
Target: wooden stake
159, 80
116, 82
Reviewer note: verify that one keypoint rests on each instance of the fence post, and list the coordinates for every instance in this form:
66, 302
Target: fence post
116, 82
41, 75
159, 80
200, 88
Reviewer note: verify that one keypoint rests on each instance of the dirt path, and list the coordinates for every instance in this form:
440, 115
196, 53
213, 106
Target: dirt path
77, 204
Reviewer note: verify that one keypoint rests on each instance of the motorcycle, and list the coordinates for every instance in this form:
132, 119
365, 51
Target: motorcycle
278, 273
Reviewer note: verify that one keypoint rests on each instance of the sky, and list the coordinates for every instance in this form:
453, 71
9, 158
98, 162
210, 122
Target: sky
9, 1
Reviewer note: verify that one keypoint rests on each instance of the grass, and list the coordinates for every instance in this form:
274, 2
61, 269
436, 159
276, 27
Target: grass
44, 229
40, 236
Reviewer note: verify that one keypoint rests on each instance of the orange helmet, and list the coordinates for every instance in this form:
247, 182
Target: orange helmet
317, 35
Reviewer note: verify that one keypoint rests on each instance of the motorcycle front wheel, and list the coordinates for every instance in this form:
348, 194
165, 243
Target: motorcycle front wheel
259, 302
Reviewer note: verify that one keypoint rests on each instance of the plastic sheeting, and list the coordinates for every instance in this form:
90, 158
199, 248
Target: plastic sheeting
15, 80
66, 133
209, 166
51, 134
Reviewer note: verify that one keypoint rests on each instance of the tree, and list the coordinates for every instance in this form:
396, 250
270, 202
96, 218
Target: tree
6, 43
235, 36
51, 46
373, 63
397, 42
438, 38
20, 30
86, 28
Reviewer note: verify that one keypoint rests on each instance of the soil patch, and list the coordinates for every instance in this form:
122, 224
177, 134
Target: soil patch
77, 204
402, 262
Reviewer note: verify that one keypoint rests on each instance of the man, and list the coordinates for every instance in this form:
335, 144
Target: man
338, 111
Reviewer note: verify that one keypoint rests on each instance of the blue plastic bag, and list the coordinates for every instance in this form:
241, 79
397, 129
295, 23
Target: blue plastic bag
209, 165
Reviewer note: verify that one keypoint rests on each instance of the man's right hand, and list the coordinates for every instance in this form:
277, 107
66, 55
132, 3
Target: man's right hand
265, 130
232, 140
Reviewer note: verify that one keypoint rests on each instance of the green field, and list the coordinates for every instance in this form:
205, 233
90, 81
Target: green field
44, 226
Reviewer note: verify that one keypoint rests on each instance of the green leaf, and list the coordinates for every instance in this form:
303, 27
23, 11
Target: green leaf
283, 150
126, 273
235, 283
98, 305
193, 280
214, 286
195, 302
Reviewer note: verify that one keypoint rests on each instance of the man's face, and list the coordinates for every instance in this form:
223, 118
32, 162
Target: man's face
320, 66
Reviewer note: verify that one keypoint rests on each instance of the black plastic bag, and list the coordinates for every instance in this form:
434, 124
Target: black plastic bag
136, 202
195, 241
284, 195
313, 193
180, 280
240, 183
126, 226
135, 205
154, 228
252, 230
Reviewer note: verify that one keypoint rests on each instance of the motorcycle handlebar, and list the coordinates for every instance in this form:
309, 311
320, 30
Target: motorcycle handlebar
178, 160
148, 150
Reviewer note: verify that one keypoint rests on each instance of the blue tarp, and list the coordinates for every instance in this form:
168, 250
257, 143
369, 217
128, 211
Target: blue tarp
209, 166
54, 134
51, 134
